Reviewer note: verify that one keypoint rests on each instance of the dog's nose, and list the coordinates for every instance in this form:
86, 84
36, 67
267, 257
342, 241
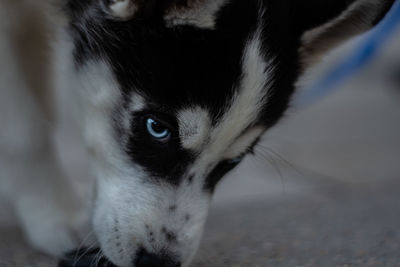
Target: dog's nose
145, 259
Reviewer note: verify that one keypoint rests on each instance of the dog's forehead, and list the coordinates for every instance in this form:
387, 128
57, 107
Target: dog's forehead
173, 65
199, 13
173, 71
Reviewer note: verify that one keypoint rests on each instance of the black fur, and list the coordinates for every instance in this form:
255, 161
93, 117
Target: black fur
145, 259
218, 172
173, 67
184, 65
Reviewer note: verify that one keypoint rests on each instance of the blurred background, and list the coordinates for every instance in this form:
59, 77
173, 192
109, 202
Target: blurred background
323, 188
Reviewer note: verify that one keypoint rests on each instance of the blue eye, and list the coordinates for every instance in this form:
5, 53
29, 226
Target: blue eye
157, 130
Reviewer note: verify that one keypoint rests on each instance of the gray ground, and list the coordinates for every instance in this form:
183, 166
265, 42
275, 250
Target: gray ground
332, 225
337, 203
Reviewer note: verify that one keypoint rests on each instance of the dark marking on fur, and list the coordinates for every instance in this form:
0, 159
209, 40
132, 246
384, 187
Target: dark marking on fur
169, 235
218, 173
118, 237
187, 218
172, 208
150, 234
250, 149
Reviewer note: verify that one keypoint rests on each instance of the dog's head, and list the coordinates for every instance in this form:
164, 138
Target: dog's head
177, 93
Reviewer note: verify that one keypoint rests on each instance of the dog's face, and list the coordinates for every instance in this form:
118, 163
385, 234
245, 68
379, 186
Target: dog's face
178, 93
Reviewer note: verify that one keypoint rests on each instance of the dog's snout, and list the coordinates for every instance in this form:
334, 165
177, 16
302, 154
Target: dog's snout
146, 259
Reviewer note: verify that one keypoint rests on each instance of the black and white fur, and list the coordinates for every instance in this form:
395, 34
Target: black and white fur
216, 73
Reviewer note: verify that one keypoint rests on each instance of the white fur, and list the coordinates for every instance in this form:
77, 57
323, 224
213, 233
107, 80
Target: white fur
128, 203
48, 208
137, 104
126, 199
251, 97
201, 14
30, 177
241, 144
194, 126
101, 95
123, 9
247, 103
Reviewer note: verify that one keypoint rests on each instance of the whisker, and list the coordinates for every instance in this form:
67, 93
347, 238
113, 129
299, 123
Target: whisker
84, 241
300, 170
95, 261
77, 256
271, 160
99, 258
280, 157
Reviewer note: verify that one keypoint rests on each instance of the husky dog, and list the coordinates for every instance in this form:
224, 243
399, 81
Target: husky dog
172, 95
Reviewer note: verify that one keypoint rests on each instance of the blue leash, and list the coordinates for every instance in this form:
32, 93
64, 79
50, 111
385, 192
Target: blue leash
364, 53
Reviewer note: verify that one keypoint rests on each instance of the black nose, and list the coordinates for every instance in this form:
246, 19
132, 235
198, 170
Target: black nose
84, 258
145, 259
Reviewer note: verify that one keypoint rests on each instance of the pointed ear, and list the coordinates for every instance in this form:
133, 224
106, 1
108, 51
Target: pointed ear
325, 24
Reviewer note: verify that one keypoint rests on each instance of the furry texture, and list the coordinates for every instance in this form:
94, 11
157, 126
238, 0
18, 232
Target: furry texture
215, 74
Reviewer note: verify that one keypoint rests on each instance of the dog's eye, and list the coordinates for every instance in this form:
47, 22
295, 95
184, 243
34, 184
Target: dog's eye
157, 130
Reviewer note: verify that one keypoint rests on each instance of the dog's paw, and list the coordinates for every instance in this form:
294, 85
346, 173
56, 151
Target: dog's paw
56, 231
55, 239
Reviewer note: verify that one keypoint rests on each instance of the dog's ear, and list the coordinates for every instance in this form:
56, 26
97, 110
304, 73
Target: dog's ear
325, 24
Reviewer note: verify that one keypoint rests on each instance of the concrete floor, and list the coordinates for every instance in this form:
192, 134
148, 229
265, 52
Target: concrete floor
332, 226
